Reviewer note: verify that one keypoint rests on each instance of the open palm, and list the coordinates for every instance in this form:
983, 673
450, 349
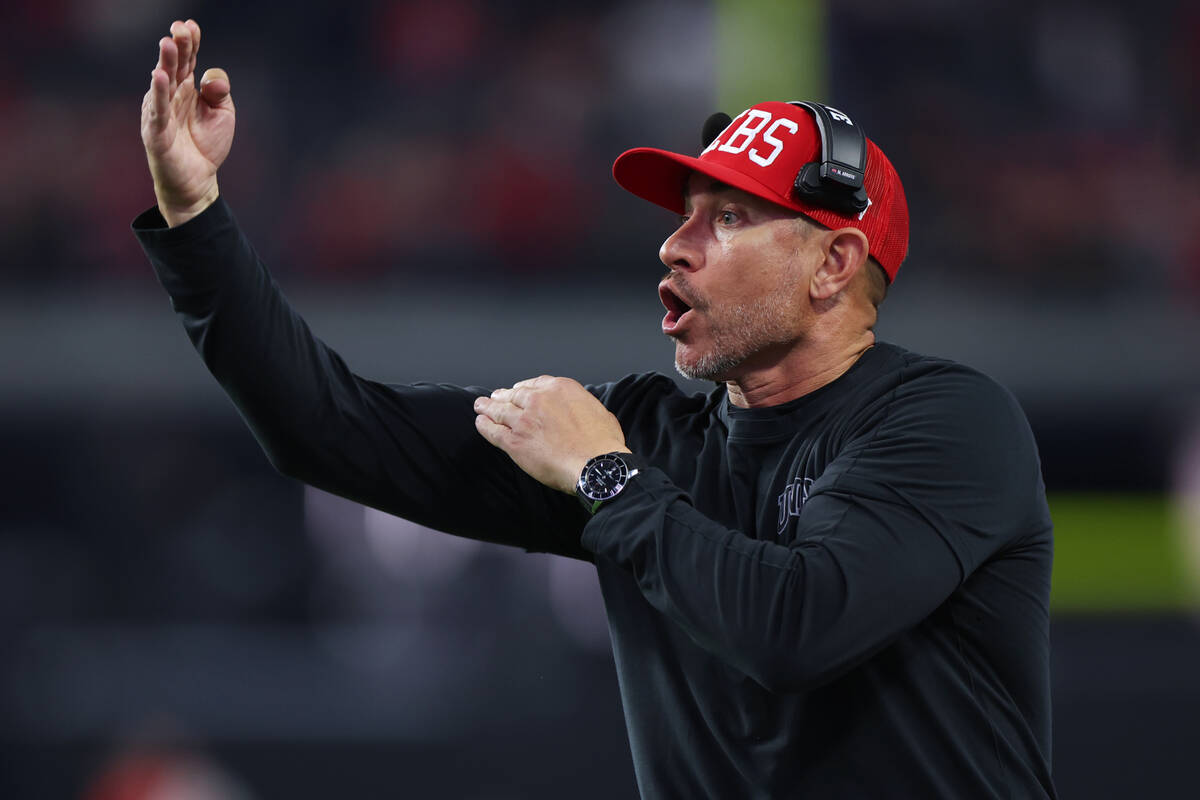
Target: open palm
187, 130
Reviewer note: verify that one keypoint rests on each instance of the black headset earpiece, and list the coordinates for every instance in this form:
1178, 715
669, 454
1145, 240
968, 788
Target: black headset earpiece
713, 126
836, 181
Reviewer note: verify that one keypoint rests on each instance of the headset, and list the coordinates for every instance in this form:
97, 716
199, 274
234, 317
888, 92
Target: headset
836, 181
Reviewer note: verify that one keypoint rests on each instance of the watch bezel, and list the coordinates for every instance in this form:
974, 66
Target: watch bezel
595, 487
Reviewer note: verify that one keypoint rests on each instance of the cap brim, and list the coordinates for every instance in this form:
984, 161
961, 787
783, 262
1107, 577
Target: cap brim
660, 176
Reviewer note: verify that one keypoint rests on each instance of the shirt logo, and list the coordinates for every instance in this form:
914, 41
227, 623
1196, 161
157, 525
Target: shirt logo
791, 501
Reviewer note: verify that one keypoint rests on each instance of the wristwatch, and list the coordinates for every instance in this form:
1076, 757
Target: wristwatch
603, 478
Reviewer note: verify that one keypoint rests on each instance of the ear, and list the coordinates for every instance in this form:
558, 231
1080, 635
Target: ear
846, 251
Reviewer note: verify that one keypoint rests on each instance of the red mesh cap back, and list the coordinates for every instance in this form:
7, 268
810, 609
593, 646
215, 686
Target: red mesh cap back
760, 152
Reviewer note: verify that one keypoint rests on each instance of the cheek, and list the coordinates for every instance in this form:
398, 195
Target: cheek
760, 277
745, 268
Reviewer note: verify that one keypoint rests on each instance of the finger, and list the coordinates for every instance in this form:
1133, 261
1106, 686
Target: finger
194, 28
489, 407
540, 380
215, 86
499, 411
514, 396
168, 61
490, 430
521, 396
183, 40
159, 100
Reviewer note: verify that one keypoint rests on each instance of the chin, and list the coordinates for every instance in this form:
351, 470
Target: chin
704, 366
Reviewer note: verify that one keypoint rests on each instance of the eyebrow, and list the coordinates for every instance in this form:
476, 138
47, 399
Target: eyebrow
714, 187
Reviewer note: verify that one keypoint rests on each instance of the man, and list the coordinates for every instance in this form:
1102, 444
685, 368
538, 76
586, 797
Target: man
828, 577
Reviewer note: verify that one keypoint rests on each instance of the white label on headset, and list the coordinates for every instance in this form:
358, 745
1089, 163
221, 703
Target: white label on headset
838, 115
754, 122
765, 161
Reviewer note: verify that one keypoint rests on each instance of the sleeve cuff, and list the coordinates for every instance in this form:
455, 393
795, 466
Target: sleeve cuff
198, 255
607, 532
151, 229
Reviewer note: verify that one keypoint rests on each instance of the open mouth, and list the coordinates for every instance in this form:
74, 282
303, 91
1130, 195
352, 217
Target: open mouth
677, 308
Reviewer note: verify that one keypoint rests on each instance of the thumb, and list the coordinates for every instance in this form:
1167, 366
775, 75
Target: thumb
214, 87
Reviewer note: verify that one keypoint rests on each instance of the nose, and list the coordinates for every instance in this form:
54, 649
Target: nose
681, 251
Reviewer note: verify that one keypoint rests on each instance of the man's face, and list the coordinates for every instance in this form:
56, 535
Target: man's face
737, 293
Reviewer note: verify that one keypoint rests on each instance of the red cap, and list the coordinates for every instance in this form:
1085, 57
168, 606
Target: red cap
760, 152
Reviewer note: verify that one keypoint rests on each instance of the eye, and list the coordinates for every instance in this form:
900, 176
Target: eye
727, 217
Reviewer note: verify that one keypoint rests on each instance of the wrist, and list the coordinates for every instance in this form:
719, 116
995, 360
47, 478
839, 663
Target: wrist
178, 212
604, 477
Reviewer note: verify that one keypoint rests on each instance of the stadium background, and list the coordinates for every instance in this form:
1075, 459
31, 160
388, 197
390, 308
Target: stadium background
427, 177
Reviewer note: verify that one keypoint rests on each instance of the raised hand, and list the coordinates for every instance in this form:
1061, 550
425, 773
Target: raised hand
187, 132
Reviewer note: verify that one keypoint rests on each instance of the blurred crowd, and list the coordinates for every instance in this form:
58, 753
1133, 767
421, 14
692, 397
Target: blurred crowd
1048, 147
458, 138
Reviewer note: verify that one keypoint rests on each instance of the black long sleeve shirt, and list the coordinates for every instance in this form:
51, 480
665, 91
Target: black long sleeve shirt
842, 596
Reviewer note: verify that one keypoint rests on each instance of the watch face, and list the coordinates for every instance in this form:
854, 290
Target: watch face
604, 477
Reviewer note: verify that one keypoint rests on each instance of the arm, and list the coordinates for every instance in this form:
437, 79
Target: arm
412, 451
791, 617
895, 524
408, 450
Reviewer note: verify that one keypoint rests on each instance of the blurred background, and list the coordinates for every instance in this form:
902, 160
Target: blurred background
427, 179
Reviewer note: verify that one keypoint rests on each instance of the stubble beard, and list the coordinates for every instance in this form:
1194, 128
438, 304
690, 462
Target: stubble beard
736, 333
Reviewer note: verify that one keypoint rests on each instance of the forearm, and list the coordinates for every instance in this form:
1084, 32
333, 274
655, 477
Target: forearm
255, 345
412, 451
791, 617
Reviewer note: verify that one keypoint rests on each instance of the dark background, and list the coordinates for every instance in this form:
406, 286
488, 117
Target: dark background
430, 184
